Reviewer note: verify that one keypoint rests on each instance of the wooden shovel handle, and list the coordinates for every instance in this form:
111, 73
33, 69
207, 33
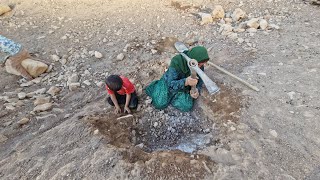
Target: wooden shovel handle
194, 76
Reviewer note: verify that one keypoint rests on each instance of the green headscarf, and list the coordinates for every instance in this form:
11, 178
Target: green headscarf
198, 53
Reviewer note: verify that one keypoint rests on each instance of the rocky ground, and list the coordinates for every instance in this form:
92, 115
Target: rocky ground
58, 125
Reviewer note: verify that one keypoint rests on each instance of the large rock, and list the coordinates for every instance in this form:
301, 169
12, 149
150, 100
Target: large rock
218, 12
238, 14
253, 23
9, 64
43, 107
4, 9
34, 68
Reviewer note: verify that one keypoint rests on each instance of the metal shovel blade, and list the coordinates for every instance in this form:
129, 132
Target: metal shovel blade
210, 85
180, 47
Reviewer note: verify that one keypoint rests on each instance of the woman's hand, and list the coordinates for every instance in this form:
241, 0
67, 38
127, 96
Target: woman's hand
194, 94
190, 81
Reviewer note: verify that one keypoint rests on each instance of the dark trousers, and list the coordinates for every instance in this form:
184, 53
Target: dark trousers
122, 100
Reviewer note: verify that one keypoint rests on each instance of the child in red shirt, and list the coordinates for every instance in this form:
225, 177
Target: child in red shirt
121, 91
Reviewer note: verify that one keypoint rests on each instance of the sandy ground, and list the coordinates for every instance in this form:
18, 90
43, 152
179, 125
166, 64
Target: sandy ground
237, 134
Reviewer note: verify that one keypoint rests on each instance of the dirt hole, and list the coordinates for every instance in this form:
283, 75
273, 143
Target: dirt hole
169, 137
169, 129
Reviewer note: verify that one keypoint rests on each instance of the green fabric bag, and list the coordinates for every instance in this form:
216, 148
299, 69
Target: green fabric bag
159, 92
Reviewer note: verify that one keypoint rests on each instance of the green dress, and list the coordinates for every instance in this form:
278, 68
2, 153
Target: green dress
171, 89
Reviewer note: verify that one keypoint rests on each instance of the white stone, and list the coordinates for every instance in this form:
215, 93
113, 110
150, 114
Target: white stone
233, 36
253, 23
291, 94
23, 121
91, 53
155, 124
53, 90
55, 58
239, 30
153, 51
58, 110
252, 30
205, 18
228, 20
10, 107
63, 61
49, 68
73, 78
41, 100
218, 12
26, 84
308, 114
240, 40
100, 84
263, 24
226, 29
74, 86
273, 26
95, 132
238, 14
98, 55
87, 72
262, 74
86, 82
43, 107
273, 133
22, 95
37, 80
232, 128
120, 56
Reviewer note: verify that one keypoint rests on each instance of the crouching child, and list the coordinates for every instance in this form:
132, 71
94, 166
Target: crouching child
122, 92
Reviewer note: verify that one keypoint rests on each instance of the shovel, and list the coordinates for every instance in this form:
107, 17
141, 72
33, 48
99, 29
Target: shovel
193, 66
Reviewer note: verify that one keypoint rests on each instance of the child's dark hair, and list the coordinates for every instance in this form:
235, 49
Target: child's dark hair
114, 82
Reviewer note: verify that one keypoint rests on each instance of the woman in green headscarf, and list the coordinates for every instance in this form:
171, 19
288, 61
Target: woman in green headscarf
174, 86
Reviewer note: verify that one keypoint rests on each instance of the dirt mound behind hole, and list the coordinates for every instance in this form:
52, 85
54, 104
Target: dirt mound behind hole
225, 106
169, 164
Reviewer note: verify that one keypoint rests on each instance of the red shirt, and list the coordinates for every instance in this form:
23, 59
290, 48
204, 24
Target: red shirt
127, 87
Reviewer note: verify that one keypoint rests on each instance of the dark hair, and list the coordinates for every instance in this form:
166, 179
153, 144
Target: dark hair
114, 82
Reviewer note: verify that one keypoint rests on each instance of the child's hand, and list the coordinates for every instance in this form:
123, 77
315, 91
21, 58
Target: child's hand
127, 109
117, 110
